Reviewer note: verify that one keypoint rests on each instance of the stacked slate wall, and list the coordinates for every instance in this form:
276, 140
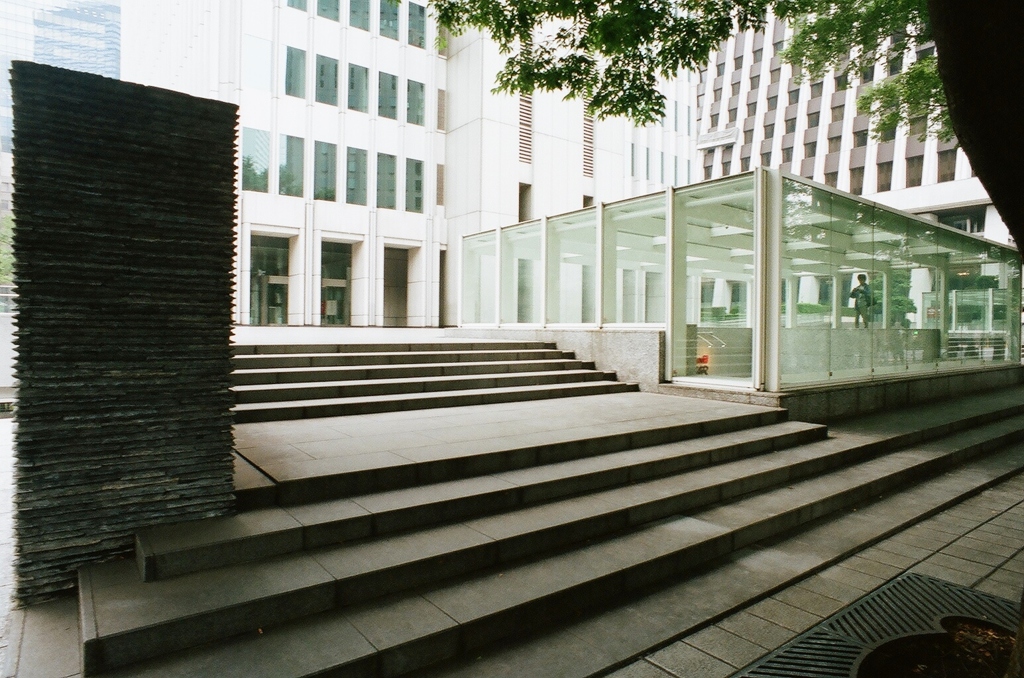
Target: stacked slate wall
124, 203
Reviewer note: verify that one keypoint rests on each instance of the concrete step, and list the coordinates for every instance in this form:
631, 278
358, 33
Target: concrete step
123, 624
299, 375
333, 477
172, 550
334, 407
272, 393
274, 361
382, 347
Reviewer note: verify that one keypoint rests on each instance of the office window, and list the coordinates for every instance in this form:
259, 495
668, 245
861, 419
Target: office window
775, 75
860, 139
735, 89
755, 81
810, 148
837, 113
748, 136
386, 179
290, 170
295, 73
355, 177
745, 164
714, 120
732, 115
947, 165
918, 126
794, 96
895, 65
773, 103
417, 25
834, 144
326, 80
387, 94
720, 69
887, 134
766, 159
718, 94
297, 4
884, 179
389, 19
413, 185
813, 119
325, 171
868, 74
358, 88
328, 9
842, 82
925, 53
769, 131
752, 108
816, 89
915, 170
737, 63
787, 154
726, 166
257, 63
415, 92
832, 179
359, 14
255, 159
707, 172
779, 46
790, 125
857, 180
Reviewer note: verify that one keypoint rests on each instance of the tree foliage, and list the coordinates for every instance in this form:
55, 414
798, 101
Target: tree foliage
6, 250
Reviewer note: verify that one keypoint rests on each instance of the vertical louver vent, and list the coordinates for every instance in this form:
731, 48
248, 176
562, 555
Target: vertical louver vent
588, 142
526, 128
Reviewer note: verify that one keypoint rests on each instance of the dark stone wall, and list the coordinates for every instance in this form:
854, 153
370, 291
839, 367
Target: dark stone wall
124, 203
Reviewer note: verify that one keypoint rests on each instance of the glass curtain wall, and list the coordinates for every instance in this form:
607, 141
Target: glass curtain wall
713, 280
572, 268
634, 261
522, 273
862, 291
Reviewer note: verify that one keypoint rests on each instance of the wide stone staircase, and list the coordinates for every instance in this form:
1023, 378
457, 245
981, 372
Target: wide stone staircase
580, 534
274, 382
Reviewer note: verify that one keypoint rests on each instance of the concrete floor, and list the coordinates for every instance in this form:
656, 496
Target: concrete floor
6, 529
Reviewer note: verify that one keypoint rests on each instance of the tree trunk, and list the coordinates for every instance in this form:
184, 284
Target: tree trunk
978, 45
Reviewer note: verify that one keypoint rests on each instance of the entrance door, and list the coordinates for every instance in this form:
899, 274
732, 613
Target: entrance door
396, 287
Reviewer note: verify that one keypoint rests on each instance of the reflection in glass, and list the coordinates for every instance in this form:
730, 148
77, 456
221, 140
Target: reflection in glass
335, 281
634, 252
572, 268
290, 171
355, 176
255, 159
295, 73
268, 281
326, 80
479, 271
325, 177
389, 19
521, 274
714, 280
386, 177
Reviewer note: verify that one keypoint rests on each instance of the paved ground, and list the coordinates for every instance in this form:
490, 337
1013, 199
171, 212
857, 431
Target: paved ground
978, 543
6, 528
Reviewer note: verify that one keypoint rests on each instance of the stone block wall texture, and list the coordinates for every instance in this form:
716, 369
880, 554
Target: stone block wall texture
124, 202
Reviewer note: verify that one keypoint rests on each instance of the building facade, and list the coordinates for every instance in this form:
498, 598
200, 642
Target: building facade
754, 110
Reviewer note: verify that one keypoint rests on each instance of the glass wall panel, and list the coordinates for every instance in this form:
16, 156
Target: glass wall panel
413, 185
417, 25
268, 282
358, 88
414, 103
634, 256
479, 276
811, 309
355, 176
851, 264
926, 282
896, 342
295, 72
328, 9
387, 168
522, 276
387, 94
335, 282
572, 268
359, 14
713, 241
326, 80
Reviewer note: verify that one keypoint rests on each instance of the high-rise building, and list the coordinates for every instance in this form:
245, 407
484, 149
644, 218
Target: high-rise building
755, 110
83, 35
368, 147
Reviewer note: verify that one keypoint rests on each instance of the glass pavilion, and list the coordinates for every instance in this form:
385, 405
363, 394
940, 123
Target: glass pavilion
752, 278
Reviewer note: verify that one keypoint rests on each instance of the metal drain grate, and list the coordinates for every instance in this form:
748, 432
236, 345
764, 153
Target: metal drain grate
911, 603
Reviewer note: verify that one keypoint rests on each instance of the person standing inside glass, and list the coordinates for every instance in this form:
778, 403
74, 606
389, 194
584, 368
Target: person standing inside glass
862, 301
